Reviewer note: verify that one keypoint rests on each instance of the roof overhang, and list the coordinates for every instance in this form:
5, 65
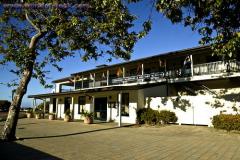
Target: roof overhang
172, 54
94, 90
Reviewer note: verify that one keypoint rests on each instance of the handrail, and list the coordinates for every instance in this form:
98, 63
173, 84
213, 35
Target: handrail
198, 69
216, 67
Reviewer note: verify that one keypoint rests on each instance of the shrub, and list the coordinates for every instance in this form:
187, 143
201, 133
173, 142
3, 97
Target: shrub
88, 114
67, 112
167, 117
37, 111
41, 107
150, 116
227, 122
139, 113
29, 110
52, 113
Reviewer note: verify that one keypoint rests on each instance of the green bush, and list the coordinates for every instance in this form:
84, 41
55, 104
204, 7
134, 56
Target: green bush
167, 117
227, 122
150, 116
139, 113
41, 107
29, 110
68, 112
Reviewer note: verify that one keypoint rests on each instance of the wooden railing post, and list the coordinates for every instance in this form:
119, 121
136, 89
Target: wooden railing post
191, 64
107, 77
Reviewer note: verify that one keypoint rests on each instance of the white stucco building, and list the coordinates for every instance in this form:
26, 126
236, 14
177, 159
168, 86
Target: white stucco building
192, 83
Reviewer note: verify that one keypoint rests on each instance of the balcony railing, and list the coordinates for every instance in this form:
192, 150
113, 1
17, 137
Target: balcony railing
216, 67
66, 90
199, 69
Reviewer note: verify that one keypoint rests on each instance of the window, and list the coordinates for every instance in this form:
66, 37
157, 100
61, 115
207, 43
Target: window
125, 104
81, 104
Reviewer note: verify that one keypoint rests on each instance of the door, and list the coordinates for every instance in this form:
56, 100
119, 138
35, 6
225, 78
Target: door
54, 105
100, 108
67, 103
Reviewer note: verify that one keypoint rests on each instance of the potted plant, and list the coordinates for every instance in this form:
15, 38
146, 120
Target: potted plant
51, 116
88, 117
38, 114
29, 113
67, 116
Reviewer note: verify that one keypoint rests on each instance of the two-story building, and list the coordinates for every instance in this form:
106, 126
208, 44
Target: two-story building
191, 82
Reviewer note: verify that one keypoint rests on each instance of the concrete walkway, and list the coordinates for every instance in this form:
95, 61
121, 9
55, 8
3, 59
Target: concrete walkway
46, 140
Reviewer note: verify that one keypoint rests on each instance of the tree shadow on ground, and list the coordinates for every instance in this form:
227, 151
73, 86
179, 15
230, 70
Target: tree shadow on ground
73, 134
13, 150
24, 124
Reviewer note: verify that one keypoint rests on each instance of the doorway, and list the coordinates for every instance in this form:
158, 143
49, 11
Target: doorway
100, 108
67, 102
54, 105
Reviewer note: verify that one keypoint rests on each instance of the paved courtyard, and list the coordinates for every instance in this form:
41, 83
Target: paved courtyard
47, 140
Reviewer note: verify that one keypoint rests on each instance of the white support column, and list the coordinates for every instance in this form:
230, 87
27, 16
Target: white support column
119, 109
107, 77
94, 79
60, 108
93, 106
57, 107
44, 107
82, 81
142, 72
74, 83
35, 103
191, 65
72, 107
124, 73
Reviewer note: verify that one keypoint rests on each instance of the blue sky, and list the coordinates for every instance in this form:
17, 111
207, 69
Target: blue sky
163, 37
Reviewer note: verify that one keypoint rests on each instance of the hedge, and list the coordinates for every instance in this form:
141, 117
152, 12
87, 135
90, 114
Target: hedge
227, 122
150, 116
167, 116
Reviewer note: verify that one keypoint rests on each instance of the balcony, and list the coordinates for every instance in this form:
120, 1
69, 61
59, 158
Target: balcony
216, 67
152, 77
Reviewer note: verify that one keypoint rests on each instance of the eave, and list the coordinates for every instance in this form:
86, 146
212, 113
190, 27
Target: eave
94, 90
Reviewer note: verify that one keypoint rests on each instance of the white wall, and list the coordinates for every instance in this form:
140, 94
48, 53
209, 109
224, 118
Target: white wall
60, 111
57, 87
157, 91
80, 116
50, 107
202, 107
132, 114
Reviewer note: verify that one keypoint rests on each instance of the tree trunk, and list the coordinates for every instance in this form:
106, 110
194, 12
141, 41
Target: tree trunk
9, 130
